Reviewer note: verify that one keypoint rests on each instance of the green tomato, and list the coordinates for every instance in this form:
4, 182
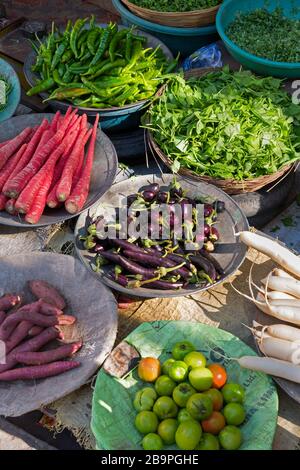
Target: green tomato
146, 422
183, 415
164, 408
167, 430
152, 441
231, 438
188, 435
181, 349
199, 406
182, 393
164, 386
208, 442
167, 365
201, 378
178, 371
144, 399
195, 359
233, 393
234, 414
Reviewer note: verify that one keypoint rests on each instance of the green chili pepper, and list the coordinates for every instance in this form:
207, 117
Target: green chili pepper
95, 68
61, 70
104, 42
91, 39
67, 56
107, 67
41, 86
86, 56
75, 33
128, 46
58, 55
114, 42
136, 52
81, 43
45, 70
37, 67
128, 93
137, 37
68, 76
68, 92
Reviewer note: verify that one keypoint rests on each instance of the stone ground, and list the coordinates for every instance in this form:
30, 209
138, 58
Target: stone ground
13, 438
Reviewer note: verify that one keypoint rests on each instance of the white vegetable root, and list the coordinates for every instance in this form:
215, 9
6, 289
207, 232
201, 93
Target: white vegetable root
280, 302
280, 349
276, 295
283, 284
281, 273
289, 333
281, 255
270, 366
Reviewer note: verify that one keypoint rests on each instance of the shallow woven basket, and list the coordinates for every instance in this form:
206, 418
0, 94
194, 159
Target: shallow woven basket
185, 19
230, 186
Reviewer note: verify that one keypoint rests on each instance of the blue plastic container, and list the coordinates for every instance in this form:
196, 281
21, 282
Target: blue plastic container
183, 40
226, 14
15, 95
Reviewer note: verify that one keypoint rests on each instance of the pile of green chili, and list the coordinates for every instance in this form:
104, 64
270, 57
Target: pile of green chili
176, 5
6, 85
226, 125
98, 67
266, 34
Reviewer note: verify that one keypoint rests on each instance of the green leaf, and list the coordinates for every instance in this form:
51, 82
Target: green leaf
288, 221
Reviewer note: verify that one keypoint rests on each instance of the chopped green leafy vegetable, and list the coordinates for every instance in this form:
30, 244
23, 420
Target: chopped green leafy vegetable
270, 35
5, 89
288, 221
275, 229
227, 124
176, 5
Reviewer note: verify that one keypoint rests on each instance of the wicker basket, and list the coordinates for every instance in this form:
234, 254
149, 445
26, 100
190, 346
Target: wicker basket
186, 19
230, 186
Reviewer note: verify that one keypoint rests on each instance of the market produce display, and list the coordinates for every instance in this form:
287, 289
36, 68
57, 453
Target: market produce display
178, 6
47, 165
269, 35
279, 298
5, 90
226, 125
26, 329
162, 263
98, 67
191, 404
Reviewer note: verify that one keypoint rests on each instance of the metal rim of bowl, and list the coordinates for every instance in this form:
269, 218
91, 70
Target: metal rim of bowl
242, 52
29, 75
154, 293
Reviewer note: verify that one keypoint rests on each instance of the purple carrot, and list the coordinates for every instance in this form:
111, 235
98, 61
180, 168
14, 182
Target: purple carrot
38, 372
44, 357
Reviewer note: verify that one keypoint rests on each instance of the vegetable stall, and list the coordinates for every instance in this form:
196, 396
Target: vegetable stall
110, 263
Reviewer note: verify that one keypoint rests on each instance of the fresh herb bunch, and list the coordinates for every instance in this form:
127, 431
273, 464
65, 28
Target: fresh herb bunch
267, 34
176, 5
8, 88
227, 125
98, 67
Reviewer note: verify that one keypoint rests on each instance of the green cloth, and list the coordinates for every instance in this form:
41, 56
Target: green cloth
113, 414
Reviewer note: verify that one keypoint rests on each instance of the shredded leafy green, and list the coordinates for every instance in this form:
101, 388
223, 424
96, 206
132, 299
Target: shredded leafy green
267, 34
227, 124
288, 221
176, 5
5, 89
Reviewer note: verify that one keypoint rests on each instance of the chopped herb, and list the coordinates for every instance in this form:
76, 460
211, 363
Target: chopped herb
275, 229
288, 221
176, 5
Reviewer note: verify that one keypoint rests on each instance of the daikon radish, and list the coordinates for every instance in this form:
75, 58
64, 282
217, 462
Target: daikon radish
270, 366
279, 302
281, 273
276, 295
283, 284
288, 314
280, 349
281, 255
289, 333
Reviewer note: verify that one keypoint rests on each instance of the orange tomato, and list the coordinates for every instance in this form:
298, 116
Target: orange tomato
219, 375
214, 424
149, 369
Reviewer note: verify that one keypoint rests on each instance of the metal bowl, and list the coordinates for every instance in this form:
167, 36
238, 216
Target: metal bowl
103, 175
230, 253
15, 95
114, 118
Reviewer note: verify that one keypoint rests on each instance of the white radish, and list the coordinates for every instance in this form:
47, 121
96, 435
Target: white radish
283, 313
278, 253
279, 348
276, 367
276, 295
289, 333
280, 302
281, 273
283, 284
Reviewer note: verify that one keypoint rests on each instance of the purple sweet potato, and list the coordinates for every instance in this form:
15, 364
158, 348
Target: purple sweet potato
43, 290
9, 301
45, 357
2, 317
38, 372
35, 318
19, 333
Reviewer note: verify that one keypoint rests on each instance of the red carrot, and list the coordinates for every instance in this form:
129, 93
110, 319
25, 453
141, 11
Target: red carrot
12, 187
3, 201
10, 206
12, 146
33, 344
78, 170
80, 193
55, 121
7, 171
38, 372
65, 183
44, 357
35, 212
42, 178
